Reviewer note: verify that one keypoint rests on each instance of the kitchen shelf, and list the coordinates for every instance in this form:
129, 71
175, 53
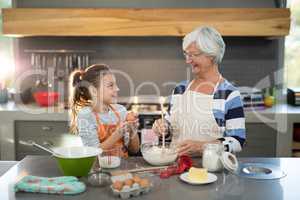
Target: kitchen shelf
57, 51
143, 22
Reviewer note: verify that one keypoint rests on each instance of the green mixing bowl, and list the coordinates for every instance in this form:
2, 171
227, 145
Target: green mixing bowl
76, 161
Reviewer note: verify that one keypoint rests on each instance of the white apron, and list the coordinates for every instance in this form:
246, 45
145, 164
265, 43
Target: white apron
192, 116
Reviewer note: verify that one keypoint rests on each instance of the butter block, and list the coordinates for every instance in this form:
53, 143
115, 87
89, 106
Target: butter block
197, 174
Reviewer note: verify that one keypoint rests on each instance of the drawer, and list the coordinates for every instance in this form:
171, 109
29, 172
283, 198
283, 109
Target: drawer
55, 134
29, 129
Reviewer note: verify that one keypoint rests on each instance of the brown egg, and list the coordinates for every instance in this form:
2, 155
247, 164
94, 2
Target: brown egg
118, 185
128, 182
131, 117
144, 183
137, 179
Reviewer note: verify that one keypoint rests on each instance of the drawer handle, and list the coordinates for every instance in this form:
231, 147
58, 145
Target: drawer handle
46, 128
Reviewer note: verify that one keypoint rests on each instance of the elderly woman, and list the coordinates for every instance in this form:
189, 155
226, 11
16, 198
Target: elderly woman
207, 109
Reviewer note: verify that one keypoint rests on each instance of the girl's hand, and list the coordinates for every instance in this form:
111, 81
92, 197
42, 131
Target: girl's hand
122, 129
131, 116
160, 127
132, 122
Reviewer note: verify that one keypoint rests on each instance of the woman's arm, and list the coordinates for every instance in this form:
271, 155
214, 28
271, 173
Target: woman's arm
235, 132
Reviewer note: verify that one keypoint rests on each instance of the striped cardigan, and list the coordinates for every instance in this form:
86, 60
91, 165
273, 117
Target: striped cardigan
228, 112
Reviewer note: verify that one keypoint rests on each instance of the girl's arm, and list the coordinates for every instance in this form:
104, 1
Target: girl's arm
88, 131
87, 127
111, 141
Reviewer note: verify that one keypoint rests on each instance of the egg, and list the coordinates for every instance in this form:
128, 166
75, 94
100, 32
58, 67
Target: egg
136, 186
136, 179
126, 188
144, 183
128, 182
118, 185
131, 117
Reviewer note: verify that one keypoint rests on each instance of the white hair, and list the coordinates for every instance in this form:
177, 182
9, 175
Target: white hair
208, 40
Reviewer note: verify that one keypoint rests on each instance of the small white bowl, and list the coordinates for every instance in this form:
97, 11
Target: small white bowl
109, 162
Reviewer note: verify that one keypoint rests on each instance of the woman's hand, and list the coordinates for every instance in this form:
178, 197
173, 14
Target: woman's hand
160, 127
193, 147
190, 147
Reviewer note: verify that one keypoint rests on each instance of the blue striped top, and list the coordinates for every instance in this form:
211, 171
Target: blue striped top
227, 109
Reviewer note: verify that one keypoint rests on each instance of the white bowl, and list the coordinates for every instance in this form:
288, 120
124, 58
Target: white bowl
109, 162
155, 156
76, 152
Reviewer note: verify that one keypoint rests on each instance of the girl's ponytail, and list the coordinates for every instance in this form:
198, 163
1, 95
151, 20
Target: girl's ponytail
79, 96
79, 89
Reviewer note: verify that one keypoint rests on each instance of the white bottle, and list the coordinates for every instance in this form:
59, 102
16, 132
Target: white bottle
211, 157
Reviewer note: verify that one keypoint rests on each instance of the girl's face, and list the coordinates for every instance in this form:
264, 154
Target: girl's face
198, 60
108, 90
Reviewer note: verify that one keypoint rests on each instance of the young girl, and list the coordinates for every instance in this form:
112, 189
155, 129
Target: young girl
95, 116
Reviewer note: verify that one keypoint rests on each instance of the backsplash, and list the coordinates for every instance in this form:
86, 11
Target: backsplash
157, 63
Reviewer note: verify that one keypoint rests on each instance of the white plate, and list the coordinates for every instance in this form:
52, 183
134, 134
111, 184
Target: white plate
210, 179
109, 162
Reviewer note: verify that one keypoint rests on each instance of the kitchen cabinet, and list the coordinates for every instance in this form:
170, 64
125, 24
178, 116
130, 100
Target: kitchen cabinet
52, 133
261, 141
144, 22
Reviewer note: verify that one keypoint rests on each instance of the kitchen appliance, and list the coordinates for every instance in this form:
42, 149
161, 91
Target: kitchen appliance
293, 96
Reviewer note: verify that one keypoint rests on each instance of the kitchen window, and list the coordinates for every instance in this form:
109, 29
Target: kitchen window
292, 47
6, 53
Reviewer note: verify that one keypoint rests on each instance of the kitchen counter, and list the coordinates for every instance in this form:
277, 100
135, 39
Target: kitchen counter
5, 166
228, 186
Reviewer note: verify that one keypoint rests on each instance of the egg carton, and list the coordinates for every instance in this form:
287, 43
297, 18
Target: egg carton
127, 192
133, 191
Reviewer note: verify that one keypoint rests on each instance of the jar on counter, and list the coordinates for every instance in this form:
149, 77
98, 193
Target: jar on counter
211, 158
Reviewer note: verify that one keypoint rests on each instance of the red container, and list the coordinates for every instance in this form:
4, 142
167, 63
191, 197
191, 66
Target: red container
45, 98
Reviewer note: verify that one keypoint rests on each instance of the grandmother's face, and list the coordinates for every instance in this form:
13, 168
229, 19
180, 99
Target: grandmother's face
200, 62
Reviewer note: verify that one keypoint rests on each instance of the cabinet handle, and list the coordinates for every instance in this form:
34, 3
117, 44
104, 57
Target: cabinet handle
46, 128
